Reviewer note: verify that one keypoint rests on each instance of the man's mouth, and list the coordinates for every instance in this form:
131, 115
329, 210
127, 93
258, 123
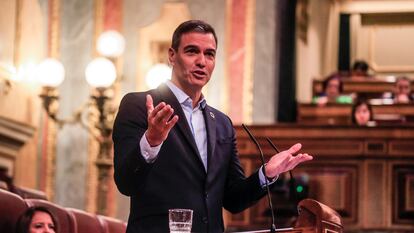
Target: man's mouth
199, 74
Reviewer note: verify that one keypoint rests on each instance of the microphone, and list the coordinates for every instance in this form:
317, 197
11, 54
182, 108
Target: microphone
269, 199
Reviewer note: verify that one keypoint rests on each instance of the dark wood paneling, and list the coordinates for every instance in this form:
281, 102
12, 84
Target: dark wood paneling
403, 197
366, 174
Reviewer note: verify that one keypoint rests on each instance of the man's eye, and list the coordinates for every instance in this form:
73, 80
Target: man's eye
211, 54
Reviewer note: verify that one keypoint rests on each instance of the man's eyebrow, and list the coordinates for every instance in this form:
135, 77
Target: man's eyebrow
190, 46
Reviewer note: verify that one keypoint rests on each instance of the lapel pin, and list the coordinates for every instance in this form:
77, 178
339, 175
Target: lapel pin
212, 115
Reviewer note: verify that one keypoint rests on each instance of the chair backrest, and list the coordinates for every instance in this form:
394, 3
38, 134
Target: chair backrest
112, 225
86, 222
11, 208
28, 193
66, 221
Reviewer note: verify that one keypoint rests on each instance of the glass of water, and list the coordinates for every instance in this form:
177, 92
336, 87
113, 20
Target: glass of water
180, 220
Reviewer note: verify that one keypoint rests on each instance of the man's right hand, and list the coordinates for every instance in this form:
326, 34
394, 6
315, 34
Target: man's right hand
159, 122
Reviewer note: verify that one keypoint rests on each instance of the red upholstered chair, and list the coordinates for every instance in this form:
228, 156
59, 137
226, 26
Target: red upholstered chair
11, 207
66, 221
112, 225
86, 222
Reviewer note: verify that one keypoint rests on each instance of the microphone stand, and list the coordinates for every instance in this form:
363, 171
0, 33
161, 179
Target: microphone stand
269, 199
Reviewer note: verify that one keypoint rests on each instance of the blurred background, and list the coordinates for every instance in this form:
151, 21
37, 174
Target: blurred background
65, 65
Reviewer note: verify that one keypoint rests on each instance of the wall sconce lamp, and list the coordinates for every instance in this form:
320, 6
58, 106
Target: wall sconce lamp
50, 74
100, 74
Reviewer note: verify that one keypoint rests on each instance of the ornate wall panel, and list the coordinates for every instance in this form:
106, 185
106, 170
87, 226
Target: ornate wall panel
365, 174
403, 196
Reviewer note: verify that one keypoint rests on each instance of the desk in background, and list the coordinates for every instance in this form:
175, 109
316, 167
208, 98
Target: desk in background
369, 88
337, 114
365, 174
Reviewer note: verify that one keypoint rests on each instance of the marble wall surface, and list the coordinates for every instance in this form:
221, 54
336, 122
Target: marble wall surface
76, 40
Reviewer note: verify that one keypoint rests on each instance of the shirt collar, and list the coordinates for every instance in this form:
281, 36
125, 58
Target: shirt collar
182, 97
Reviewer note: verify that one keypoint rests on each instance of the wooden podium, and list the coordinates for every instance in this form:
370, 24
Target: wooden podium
314, 217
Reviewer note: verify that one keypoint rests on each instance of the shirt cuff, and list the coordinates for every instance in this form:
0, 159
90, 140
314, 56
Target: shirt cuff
263, 179
149, 153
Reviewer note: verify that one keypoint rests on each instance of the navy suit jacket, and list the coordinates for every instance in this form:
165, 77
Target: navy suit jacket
177, 178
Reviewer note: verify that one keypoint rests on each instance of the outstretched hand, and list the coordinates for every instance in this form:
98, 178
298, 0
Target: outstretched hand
285, 161
159, 121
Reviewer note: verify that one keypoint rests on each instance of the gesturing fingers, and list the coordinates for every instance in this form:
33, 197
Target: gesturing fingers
300, 158
160, 121
286, 160
295, 148
149, 104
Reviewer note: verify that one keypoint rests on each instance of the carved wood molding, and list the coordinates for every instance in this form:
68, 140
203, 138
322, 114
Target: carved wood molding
13, 135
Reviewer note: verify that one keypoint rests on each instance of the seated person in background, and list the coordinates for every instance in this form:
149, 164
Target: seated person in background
359, 70
37, 219
332, 92
362, 114
402, 90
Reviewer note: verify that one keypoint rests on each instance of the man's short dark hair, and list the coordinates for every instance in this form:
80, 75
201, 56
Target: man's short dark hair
360, 65
191, 26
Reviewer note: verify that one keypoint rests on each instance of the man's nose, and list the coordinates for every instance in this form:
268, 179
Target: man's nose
201, 60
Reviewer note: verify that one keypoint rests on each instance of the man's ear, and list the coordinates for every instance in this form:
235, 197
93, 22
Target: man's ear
171, 56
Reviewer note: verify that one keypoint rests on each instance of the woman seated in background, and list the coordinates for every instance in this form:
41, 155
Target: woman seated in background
37, 219
362, 114
332, 92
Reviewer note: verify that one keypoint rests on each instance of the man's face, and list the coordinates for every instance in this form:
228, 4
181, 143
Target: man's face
194, 61
403, 87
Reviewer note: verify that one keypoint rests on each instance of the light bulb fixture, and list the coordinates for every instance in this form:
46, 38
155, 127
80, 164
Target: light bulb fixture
50, 72
158, 73
100, 73
110, 44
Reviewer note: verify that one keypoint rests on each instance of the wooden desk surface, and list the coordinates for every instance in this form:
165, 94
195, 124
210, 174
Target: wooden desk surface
370, 88
341, 113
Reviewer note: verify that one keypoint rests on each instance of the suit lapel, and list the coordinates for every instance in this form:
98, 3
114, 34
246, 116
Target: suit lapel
168, 97
210, 120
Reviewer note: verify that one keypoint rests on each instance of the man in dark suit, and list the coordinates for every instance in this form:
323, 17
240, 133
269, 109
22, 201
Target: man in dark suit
182, 152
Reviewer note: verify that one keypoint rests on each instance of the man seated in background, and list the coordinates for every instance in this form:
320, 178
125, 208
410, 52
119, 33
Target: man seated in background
359, 70
332, 92
402, 91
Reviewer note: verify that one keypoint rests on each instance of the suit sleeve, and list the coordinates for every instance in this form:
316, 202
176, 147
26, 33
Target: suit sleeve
130, 168
240, 192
